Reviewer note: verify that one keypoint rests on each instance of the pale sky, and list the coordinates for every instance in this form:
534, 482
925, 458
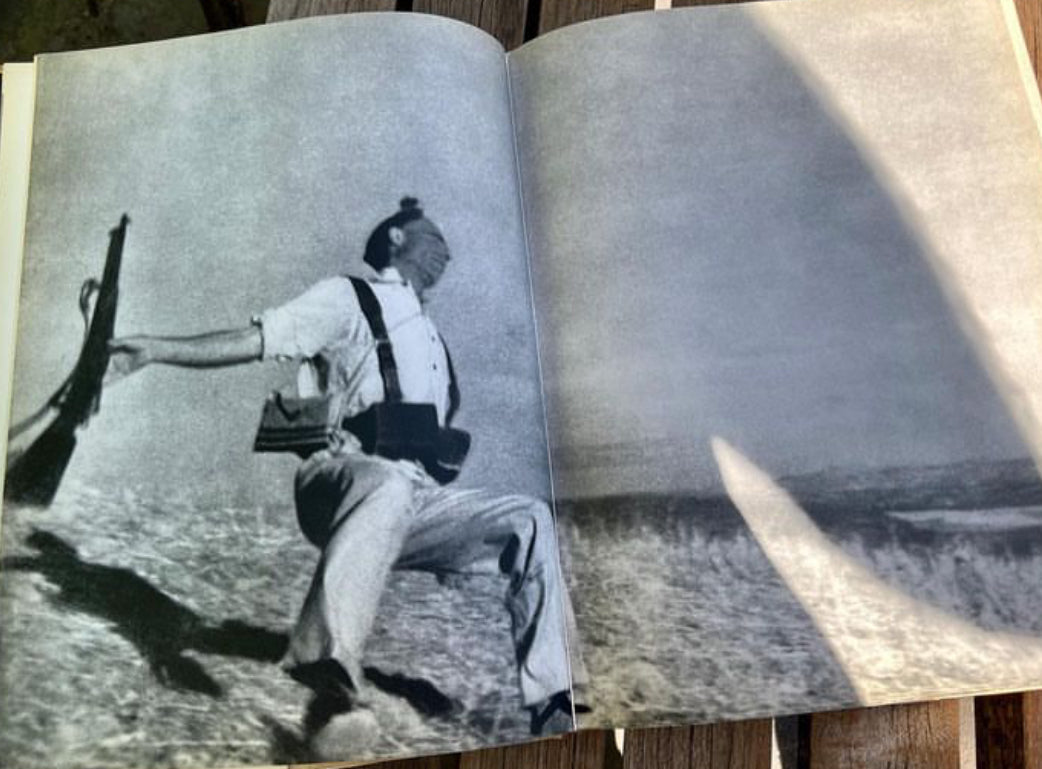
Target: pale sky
724, 246
735, 240
252, 165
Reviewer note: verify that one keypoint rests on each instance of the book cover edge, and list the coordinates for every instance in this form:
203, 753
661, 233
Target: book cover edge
16, 129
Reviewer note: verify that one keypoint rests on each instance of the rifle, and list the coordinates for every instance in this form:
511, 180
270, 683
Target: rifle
33, 476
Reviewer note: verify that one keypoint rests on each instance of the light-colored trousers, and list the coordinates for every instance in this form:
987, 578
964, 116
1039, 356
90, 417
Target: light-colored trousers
369, 515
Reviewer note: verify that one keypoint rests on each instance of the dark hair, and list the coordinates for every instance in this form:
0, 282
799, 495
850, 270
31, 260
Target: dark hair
378, 246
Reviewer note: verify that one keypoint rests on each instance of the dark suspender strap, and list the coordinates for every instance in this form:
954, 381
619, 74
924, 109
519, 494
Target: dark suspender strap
454, 396
384, 354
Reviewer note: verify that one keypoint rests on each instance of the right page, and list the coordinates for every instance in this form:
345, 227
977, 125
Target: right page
786, 263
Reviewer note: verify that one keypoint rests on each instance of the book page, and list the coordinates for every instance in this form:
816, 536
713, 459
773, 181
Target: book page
789, 301
15, 142
171, 596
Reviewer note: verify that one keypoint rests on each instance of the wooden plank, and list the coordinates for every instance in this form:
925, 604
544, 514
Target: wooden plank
1030, 13
583, 750
1033, 729
743, 745
283, 10
490, 758
668, 748
1009, 731
504, 20
558, 13
448, 761
691, 3
922, 735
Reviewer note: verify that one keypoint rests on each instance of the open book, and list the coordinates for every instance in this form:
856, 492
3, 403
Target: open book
749, 297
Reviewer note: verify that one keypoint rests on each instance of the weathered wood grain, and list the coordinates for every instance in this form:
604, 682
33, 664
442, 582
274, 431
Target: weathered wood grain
1009, 731
922, 735
668, 748
559, 13
744, 745
1030, 12
691, 3
1033, 729
448, 761
505, 21
283, 10
584, 750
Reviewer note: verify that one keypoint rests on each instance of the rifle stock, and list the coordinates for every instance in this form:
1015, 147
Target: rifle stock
33, 476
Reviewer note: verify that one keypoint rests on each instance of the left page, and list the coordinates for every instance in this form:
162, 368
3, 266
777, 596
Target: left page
173, 597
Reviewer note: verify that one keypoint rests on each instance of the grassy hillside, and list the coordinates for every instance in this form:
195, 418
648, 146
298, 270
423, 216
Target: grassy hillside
147, 632
683, 617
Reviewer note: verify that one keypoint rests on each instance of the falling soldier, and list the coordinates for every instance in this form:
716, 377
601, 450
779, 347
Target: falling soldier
376, 395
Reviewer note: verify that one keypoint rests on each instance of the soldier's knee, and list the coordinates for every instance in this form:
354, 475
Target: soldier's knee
395, 490
540, 512
367, 477
534, 514
533, 524
530, 548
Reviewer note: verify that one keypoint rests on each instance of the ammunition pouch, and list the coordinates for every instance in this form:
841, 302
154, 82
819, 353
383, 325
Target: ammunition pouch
411, 431
392, 429
301, 426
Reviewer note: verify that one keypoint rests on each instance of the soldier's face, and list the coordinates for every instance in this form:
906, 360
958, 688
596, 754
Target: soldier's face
424, 255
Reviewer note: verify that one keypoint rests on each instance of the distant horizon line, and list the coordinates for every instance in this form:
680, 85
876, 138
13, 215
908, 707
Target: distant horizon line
863, 479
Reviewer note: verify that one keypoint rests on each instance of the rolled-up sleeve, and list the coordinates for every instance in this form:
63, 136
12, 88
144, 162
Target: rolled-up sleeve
303, 326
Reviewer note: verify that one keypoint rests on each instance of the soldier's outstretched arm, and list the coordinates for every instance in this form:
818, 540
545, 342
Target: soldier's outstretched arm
211, 350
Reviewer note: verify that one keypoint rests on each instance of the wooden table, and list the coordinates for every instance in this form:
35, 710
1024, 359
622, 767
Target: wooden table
998, 732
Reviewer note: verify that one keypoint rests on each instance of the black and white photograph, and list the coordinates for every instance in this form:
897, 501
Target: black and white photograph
277, 486
789, 254
378, 392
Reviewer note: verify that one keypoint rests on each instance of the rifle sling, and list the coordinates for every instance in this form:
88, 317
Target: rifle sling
384, 354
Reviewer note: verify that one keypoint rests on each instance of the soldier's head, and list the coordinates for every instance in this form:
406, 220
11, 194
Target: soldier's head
411, 243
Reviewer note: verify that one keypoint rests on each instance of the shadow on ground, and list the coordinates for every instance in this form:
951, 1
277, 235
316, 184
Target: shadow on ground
159, 627
162, 629
144, 633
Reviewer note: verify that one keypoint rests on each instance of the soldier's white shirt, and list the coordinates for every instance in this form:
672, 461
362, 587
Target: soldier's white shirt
326, 331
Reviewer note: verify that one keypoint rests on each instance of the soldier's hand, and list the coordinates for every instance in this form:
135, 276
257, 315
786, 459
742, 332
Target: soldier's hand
126, 355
